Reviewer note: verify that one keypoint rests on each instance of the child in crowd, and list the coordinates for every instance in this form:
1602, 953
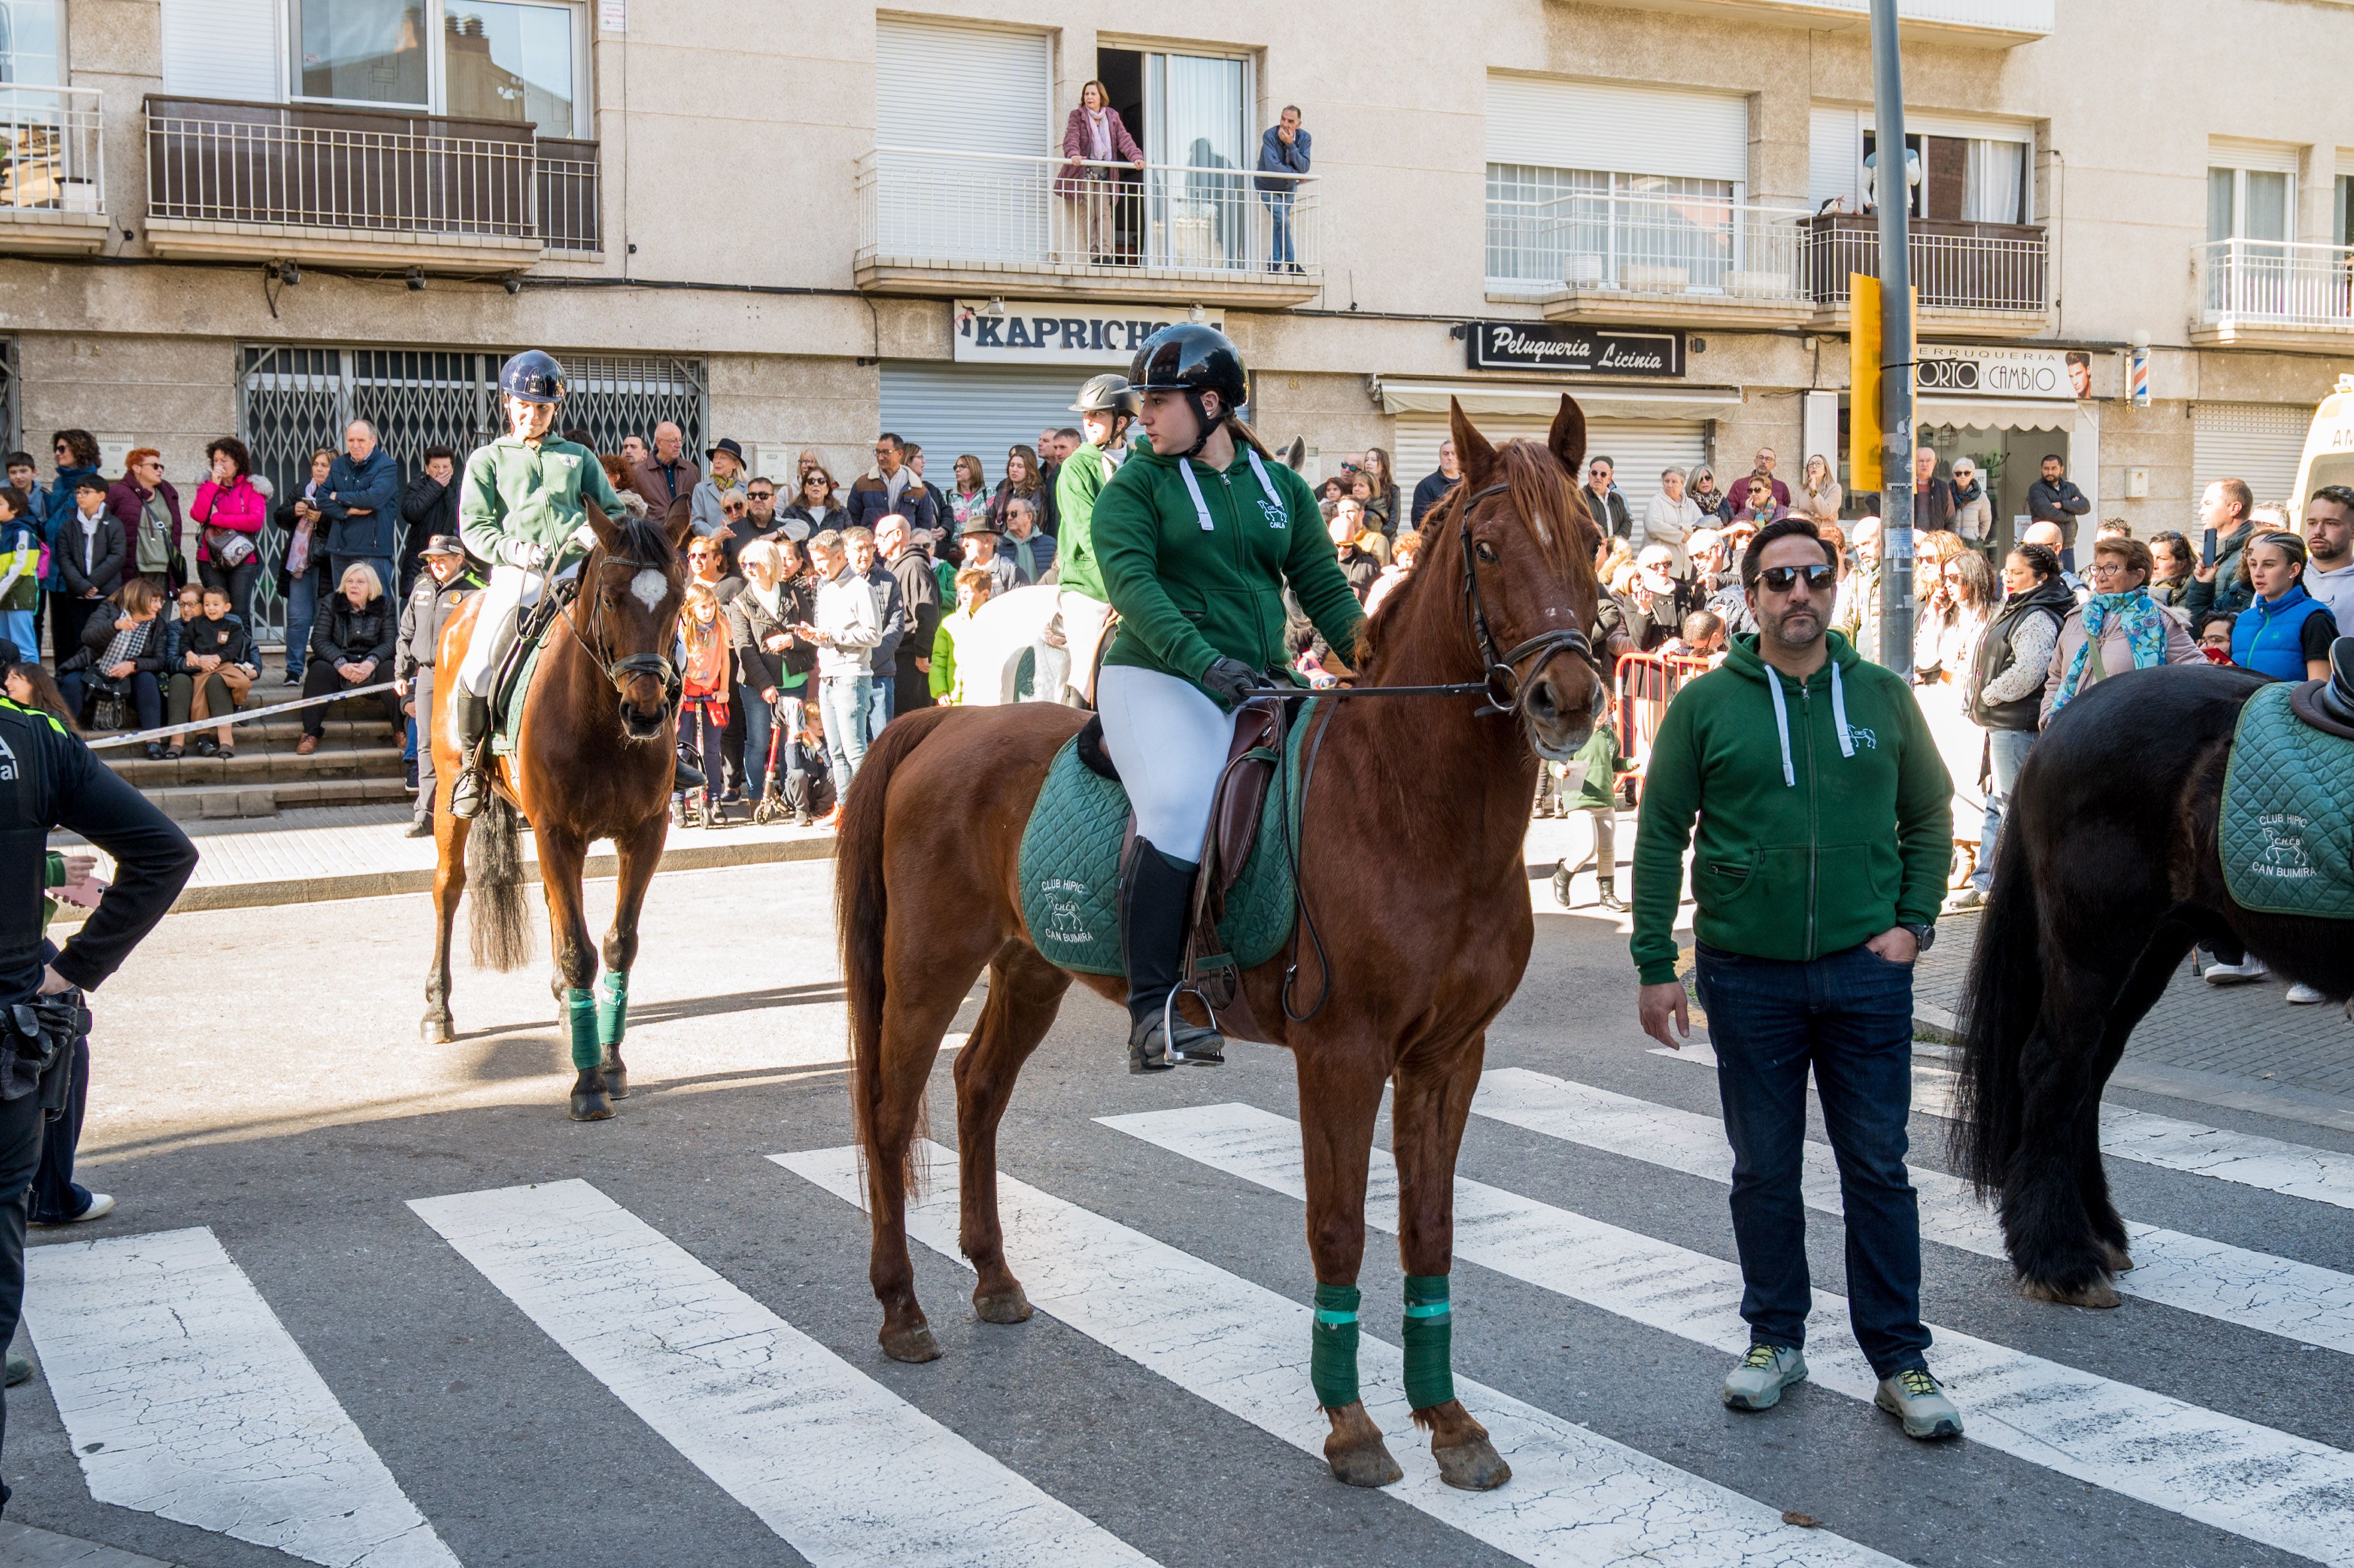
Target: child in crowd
973, 585
1590, 783
2215, 636
218, 665
20, 568
704, 655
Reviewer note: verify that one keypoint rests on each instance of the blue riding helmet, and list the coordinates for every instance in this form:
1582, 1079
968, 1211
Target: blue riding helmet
533, 376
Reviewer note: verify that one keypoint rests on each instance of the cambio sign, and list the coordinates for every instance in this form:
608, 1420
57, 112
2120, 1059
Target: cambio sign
1985, 372
1044, 332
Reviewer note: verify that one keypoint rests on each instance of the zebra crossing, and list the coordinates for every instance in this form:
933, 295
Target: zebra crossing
185, 1395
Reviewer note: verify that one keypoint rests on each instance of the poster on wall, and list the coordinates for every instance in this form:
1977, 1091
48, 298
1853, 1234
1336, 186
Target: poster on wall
1057, 331
1978, 370
1567, 347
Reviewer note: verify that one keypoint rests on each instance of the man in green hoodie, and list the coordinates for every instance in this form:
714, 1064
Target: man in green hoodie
1824, 815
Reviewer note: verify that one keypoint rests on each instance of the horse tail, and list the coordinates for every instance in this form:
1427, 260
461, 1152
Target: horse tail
499, 925
2000, 1004
861, 906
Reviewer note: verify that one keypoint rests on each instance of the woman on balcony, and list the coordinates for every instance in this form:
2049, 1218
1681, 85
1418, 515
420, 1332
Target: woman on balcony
1093, 139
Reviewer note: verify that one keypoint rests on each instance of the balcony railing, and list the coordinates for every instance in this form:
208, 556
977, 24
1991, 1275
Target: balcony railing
52, 157
2275, 283
1993, 266
566, 194
1647, 246
932, 207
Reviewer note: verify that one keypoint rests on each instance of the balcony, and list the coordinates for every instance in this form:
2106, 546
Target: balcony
2260, 292
1987, 279
1984, 24
361, 187
52, 171
930, 218
1679, 262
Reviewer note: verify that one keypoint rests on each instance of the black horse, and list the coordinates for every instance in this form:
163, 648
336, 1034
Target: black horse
2106, 875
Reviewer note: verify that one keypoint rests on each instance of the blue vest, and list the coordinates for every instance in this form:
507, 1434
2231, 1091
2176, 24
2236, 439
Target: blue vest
2268, 636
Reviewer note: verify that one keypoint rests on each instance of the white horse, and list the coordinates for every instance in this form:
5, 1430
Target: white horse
989, 654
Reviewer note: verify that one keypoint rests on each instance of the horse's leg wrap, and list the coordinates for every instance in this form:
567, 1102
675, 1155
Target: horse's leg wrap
1429, 1341
1332, 1347
612, 1009
581, 1006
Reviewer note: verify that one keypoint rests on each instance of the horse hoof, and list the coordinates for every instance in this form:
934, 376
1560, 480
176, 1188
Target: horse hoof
590, 1105
2120, 1260
436, 1031
617, 1081
2099, 1293
1364, 1466
1007, 1306
1473, 1466
913, 1345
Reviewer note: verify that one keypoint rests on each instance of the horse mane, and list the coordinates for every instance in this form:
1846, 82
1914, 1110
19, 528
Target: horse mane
641, 539
1425, 612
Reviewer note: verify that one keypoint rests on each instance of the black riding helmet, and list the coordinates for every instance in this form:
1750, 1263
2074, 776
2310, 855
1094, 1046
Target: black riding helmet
533, 376
1193, 358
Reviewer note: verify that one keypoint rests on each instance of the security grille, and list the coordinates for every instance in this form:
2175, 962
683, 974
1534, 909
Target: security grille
292, 401
11, 437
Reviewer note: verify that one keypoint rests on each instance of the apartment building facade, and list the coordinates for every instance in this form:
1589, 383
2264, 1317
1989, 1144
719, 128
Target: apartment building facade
796, 223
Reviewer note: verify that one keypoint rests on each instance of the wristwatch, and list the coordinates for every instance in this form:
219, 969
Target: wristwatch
1925, 936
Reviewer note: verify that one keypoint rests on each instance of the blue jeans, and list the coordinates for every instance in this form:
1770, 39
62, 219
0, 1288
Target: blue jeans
1279, 208
2006, 753
1848, 1016
880, 702
846, 700
301, 611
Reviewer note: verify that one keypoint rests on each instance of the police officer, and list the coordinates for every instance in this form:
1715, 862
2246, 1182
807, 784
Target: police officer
49, 780
521, 507
444, 585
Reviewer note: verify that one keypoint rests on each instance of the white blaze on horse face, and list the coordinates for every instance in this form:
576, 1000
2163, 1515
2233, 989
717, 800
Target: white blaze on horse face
649, 585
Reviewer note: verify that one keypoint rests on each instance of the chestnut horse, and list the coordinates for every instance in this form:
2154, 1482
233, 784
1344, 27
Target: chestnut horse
2108, 871
595, 758
1417, 809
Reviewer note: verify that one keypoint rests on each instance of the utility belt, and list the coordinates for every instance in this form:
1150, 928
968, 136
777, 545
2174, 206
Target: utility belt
36, 1042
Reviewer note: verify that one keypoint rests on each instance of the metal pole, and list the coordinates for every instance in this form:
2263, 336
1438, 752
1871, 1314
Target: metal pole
1892, 190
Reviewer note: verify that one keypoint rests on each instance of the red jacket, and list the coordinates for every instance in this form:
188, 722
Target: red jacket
128, 503
237, 507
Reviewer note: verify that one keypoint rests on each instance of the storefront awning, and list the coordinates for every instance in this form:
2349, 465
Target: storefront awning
1996, 413
1541, 398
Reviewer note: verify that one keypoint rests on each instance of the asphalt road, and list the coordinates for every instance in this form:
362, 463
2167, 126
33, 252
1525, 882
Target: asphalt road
268, 1347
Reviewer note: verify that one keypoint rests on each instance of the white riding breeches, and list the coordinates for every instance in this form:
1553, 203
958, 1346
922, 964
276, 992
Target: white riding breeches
1169, 741
511, 589
1083, 633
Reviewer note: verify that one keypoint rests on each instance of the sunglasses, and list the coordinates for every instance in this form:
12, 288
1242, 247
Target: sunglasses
1782, 579
764, 495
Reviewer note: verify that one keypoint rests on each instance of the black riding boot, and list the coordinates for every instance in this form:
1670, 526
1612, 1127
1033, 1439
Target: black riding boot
1156, 899
473, 729
689, 777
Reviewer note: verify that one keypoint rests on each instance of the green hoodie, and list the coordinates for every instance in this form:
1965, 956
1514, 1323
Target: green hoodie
1188, 594
1078, 484
1856, 838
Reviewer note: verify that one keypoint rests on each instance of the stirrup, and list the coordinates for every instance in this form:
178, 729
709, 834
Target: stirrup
466, 793
689, 777
1161, 1043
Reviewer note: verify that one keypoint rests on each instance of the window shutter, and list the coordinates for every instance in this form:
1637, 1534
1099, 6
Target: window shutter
1834, 155
952, 410
1638, 449
971, 89
222, 48
2262, 443
1624, 129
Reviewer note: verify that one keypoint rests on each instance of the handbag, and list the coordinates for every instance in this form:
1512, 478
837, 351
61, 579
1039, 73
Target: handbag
106, 710
227, 548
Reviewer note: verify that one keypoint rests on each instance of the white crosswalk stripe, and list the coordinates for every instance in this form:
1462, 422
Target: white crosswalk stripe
750, 1400
185, 1397
2253, 1482
1574, 1498
2280, 1296
2247, 1159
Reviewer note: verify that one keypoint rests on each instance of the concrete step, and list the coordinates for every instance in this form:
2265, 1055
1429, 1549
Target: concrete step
250, 769
266, 797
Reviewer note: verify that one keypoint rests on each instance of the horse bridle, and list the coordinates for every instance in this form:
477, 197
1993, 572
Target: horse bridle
629, 667
1502, 685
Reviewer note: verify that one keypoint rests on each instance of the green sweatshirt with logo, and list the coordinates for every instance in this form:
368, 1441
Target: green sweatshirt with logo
1078, 483
1188, 594
514, 495
1806, 845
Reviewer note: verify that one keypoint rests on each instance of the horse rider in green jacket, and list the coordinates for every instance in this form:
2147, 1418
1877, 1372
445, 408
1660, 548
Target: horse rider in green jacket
1107, 405
1196, 537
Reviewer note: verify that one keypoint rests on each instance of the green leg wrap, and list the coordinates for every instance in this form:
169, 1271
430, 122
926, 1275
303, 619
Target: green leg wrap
612, 1008
582, 1007
1429, 1341
1332, 1347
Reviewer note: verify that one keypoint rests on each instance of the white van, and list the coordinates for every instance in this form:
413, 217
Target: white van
2328, 449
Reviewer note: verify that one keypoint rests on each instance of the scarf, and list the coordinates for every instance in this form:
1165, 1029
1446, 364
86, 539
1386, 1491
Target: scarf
2137, 615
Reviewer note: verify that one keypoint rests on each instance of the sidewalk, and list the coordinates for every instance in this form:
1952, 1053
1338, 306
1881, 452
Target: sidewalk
309, 854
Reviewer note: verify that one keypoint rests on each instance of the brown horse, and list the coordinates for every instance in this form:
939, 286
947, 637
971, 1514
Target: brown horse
1418, 808
594, 759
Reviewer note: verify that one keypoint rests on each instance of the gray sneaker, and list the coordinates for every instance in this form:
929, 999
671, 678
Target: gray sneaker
1758, 1382
20, 1369
1914, 1397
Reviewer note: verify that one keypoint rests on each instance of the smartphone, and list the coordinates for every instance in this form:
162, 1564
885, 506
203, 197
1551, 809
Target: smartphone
2206, 548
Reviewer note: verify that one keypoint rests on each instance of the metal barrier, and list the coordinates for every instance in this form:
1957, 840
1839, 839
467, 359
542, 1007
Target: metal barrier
52, 157
1645, 685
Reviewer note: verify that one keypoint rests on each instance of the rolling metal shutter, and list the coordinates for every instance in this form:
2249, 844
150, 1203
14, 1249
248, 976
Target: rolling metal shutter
1623, 129
1639, 448
221, 48
2259, 443
972, 89
954, 410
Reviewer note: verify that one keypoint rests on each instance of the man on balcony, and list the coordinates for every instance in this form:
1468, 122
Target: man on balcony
2054, 499
1282, 152
361, 502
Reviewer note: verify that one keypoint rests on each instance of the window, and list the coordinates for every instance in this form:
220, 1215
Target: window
361, 51
505, 61
1965, 179
1591, 227
2248, 204
31, 43
518, 61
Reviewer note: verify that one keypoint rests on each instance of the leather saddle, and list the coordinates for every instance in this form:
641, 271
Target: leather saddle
1261, 727
2328, 706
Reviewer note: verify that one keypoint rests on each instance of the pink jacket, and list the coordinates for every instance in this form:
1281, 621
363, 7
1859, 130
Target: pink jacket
239, 507
1072, 178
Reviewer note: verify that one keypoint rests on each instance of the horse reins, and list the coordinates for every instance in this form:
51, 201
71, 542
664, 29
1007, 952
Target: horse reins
620, 672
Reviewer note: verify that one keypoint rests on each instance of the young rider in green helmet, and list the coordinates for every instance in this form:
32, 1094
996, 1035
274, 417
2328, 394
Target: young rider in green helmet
1197, 535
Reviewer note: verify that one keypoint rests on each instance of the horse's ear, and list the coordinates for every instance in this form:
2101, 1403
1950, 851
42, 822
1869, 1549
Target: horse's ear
1567, 439
601, 526
1296, 455
1472, 454
679, 523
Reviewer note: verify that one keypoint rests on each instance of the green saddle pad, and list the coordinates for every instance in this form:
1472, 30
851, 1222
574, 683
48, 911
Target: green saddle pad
507, 724
1070, 867
2287, 829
